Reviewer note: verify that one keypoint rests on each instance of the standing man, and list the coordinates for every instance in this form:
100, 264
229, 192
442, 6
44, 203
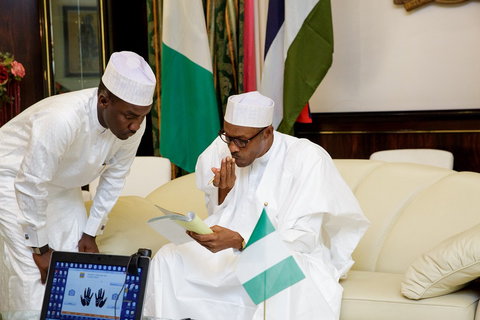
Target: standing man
309, 204
47, 153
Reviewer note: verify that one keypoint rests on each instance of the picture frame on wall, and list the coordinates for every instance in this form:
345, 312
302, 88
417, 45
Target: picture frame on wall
82, 41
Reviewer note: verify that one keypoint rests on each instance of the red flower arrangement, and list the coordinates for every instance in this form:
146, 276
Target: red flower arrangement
11, 71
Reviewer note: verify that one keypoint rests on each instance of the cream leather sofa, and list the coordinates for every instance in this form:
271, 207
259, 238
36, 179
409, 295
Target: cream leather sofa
424, 238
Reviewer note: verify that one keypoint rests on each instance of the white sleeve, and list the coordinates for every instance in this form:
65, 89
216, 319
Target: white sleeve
50, 137
111, 183
322, 209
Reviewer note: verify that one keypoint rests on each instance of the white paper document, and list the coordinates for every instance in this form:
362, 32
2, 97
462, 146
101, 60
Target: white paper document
173, 225
170, 230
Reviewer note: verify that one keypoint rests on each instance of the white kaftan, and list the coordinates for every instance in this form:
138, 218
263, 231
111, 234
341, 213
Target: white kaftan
47, 153
311, 207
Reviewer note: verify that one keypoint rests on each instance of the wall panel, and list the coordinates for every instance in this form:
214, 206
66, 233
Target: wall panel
359, 134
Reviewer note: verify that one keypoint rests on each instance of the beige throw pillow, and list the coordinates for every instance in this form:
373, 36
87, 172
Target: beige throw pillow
447, 268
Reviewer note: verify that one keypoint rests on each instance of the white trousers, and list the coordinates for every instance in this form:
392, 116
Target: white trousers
20, 287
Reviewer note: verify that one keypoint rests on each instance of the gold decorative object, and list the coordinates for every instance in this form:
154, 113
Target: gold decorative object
413, 4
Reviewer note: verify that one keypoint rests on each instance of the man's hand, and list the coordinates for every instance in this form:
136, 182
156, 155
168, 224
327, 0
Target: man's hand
87, 244
225, 175
42, 261
224, 178
221, 238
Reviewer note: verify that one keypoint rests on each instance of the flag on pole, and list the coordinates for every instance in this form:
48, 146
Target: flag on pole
305, 116
266, 267
249, 63
274, 64
298, 54
189, 110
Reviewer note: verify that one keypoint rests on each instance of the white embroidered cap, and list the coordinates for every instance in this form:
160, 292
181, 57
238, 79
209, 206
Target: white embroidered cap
250, 109
129, 77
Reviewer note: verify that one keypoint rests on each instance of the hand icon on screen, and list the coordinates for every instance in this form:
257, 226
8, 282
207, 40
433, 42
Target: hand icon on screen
87, 295
100, 298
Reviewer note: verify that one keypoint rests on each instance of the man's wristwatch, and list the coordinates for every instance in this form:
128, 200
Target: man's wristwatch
41, 250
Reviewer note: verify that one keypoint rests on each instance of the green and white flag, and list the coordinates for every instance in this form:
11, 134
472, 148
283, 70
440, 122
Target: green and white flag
266, 267
189, 110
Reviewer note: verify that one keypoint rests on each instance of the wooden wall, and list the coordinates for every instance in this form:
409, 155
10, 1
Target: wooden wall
20, 35
357, 135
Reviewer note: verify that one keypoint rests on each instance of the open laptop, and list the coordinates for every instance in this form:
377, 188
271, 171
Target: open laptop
83, 286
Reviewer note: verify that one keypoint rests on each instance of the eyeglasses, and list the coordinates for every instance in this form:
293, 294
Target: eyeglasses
241, 143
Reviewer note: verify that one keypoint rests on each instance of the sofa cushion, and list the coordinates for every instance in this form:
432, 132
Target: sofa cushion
477, 315
409, 206
354, 171
446, 268
127, 230
180, 195
384, 193
376, 296
442, 210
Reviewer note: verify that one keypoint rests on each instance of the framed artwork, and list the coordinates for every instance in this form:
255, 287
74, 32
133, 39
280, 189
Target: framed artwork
82, 41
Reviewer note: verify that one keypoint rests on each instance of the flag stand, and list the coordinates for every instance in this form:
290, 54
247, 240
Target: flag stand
265, 204
264, 309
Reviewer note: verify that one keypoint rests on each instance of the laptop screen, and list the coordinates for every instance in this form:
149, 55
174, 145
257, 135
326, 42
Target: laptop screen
94, 286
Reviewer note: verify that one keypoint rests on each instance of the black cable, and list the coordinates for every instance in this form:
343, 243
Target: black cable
123, 285
118, 295
131, 268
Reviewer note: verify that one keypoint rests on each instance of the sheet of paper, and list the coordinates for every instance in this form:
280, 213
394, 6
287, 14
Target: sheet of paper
170, 230
195, 224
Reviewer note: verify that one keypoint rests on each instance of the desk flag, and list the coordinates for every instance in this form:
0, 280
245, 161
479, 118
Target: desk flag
266, 267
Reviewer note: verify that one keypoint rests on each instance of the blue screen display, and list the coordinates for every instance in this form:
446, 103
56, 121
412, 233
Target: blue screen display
93, 291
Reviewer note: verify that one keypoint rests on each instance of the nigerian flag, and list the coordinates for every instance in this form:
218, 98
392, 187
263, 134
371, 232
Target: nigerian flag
266, 267
189, 111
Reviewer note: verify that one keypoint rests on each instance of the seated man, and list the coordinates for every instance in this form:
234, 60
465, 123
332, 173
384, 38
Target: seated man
306, 199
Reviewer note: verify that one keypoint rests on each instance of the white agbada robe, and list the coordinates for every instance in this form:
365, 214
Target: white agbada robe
309, 204
47, 153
